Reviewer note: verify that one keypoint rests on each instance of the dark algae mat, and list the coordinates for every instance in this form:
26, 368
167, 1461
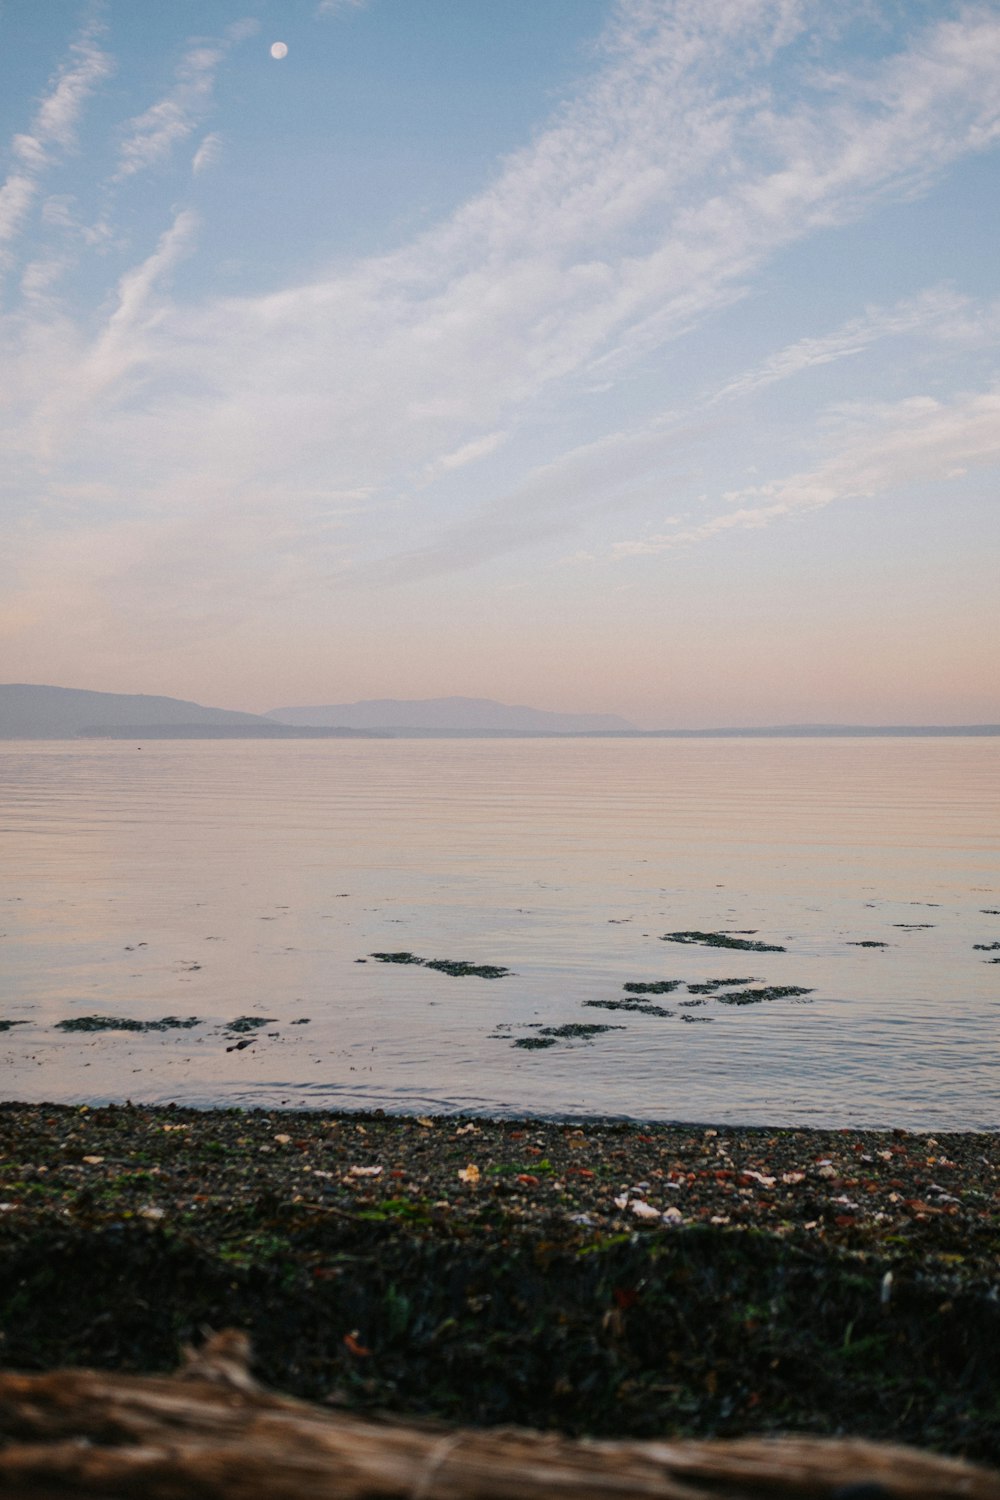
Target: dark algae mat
617, 1280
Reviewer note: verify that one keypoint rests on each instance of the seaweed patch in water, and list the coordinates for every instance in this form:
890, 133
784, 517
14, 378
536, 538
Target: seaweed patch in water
641, 1006
125, 1023
868, 943
986, 947
721, 940
767, 992
657, 987
460, 969
250, 1023
5, 1025
913, 926
709, 986
457, 968
571, 1031
577, 1029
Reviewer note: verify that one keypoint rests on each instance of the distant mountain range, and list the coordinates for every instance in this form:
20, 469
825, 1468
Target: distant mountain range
29, 711
37, 713
462, 715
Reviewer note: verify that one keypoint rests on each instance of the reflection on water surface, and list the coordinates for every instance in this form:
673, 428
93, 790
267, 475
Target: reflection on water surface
248, 885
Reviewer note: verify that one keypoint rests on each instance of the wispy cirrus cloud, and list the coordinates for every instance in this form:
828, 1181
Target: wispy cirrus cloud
917, 441
339, 7
701, 148
124, 351
150, 137
599, 242
53, 127
16, 197
938, 308
560, 494
208, 154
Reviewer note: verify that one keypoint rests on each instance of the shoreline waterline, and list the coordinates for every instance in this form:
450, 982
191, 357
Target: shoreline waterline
509, 1118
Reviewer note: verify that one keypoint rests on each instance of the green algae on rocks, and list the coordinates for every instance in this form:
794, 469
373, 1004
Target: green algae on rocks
721, 940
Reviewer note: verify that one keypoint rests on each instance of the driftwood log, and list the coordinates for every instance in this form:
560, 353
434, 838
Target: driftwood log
210, 1432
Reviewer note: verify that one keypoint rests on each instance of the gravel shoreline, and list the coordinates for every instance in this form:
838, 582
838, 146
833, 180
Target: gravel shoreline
617, 1279
937, 1195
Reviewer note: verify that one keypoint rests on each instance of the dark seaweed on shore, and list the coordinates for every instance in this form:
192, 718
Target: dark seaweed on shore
494, 1272
721, 940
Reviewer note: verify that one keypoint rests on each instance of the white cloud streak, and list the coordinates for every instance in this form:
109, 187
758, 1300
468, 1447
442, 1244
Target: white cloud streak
558, 495
643, 209
917, 441
339, 7
16, 197
208, 154
939, 307
647, 204
54, 126
152, 136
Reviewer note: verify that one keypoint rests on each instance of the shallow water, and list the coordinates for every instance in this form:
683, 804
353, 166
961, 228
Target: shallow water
228, 879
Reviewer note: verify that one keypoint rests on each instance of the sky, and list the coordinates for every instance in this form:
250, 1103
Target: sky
626, 356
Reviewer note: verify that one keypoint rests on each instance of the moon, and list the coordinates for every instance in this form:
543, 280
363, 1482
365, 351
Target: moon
279, 49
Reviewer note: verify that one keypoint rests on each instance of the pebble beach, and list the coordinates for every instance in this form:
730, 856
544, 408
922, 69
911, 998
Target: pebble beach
600, 1278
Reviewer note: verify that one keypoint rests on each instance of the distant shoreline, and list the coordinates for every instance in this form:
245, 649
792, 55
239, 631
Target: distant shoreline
36, 711
404, 732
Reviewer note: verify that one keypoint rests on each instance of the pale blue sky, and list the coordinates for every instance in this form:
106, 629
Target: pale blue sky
636, 357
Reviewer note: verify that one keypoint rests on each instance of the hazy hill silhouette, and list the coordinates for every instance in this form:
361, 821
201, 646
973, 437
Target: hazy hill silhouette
471, 715
28, 711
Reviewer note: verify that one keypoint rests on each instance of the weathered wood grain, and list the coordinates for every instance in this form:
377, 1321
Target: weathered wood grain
209, 1432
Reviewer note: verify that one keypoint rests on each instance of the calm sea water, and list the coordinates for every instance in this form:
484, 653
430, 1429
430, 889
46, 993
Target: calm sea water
224, 880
